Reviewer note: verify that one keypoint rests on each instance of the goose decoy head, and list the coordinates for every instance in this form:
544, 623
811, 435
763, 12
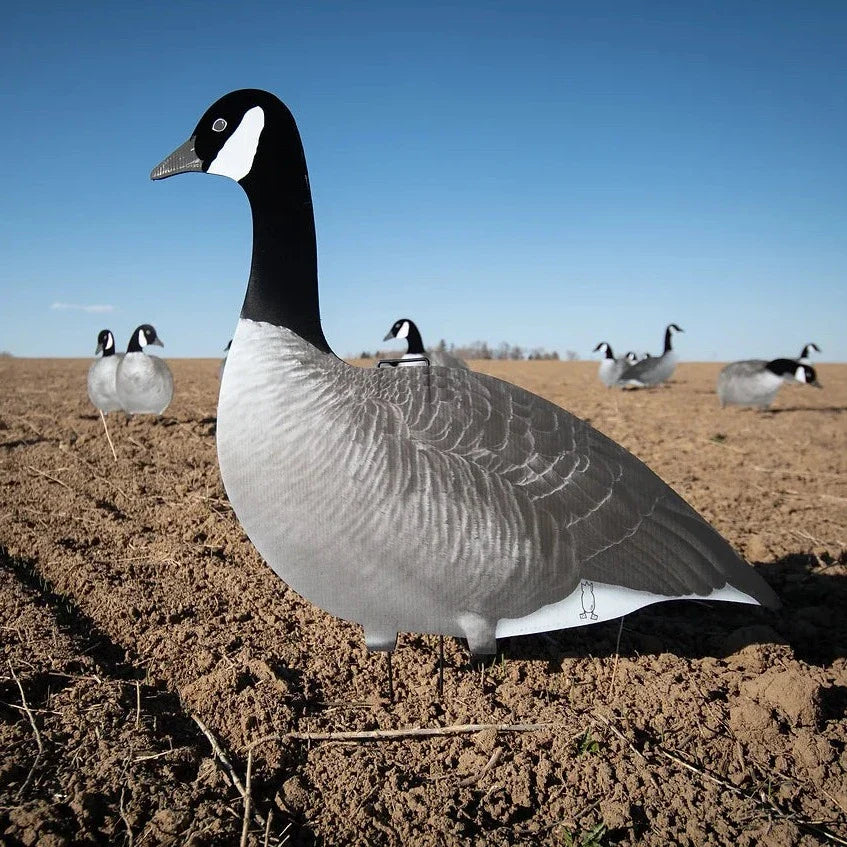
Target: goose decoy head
806, 351
143, 335
631, 357
604, 348
807, 374
105, 343
675, 328
399, 329
226, 139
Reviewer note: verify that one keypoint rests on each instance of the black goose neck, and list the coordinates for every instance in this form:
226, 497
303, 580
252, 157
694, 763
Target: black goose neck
283, 285
415, 341
109, 351
667, 340
134, 346
609, 353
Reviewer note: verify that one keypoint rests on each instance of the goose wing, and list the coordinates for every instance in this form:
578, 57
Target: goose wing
639, 370
545, 473
745, 368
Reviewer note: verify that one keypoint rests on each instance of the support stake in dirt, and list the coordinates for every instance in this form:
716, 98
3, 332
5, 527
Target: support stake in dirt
108, 437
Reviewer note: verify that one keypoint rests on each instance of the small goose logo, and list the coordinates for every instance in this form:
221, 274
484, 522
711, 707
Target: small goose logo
588, 601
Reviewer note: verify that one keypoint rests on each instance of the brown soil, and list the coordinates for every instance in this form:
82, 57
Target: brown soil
131, 602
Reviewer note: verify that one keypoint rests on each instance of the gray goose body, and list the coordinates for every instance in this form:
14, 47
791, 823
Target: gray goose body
422, 499
102, 390
144, 383
653, 370
755, 382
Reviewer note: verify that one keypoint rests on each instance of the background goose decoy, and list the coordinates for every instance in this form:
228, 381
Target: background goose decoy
755, 382
432, 500
101, 375
144, 383
611, 368
406, 328
653, 370
806, 352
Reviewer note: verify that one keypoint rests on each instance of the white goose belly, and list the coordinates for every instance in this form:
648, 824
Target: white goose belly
144, 384
102, 390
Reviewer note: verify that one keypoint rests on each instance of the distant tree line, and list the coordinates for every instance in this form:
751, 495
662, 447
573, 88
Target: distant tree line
482, 350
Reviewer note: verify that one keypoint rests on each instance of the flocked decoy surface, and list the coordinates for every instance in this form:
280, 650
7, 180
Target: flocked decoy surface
102, 390
653, 370
755, 382
407, 329
144, 383
421, 499
610, 367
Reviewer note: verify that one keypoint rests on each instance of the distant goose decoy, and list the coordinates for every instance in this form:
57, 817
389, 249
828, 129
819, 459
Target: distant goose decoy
434, 500
144, 383
653, 370
101, 375
755, 382
611, 368
805, 353
406, 328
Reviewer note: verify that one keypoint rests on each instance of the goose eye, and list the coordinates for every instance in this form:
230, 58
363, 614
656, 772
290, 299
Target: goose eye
219, 125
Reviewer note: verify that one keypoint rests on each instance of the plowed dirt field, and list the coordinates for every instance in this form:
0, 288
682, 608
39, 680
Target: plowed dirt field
138, 626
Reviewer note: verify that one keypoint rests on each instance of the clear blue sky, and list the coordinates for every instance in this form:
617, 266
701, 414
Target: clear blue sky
547, 173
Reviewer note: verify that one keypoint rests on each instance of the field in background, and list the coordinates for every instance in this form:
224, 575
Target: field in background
137, 623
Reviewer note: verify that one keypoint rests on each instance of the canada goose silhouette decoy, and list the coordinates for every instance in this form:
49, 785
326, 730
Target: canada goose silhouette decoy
611, 368
755, 382
653, 370
101, 375
102, 381
406, 328
144, 383
435, 500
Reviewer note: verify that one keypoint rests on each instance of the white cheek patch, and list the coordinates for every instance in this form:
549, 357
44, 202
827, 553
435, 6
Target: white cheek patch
404, 330
235, 158
800, 374
142, 338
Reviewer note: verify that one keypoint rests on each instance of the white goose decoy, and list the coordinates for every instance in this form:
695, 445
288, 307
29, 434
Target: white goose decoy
755, 382
611, 368
805, 353
406, 328
434, 500
101, 375
144, 383
653, 370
